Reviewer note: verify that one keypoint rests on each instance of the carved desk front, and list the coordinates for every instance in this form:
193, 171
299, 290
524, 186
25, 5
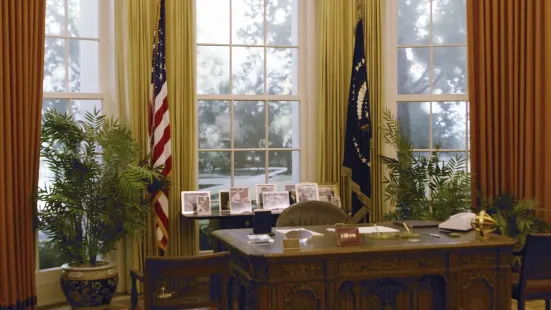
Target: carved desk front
435, 273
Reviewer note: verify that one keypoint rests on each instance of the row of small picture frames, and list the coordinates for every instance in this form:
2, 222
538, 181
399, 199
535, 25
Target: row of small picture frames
236, 199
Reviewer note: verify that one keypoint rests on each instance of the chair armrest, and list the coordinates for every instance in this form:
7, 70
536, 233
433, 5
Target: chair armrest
136, 276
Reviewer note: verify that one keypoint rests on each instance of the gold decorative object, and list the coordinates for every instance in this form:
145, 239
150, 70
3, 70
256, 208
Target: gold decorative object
484, 224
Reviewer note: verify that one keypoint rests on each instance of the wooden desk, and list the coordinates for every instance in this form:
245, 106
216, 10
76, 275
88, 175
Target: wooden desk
435, 273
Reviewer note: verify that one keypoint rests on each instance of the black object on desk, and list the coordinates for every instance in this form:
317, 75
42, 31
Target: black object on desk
262, 222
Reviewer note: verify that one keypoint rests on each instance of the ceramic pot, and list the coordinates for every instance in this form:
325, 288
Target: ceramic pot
89, 287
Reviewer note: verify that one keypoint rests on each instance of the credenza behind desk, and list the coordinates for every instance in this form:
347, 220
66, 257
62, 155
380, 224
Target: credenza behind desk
434, 273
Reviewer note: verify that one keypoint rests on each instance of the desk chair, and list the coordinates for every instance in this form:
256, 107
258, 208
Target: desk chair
311, 213
183, 282
534, 281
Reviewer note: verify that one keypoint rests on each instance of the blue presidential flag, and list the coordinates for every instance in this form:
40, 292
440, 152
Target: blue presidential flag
357, 163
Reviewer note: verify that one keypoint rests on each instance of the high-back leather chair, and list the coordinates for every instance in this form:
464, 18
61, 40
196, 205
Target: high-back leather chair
535, 273
311, 213
194, 282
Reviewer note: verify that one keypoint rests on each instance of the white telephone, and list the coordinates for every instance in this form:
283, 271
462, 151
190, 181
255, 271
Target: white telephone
459, 221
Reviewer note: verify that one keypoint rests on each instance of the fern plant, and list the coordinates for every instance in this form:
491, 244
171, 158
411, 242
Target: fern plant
515, 217
420, 187
98, 191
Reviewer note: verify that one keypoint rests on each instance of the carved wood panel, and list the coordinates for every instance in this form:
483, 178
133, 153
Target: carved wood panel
355, 268
302, 296
346, 297
479, 290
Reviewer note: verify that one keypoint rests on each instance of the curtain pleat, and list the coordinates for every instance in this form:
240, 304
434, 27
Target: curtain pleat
22, 27
134, 28
335, 44
180, 28
373, 17
509, 98
335, 22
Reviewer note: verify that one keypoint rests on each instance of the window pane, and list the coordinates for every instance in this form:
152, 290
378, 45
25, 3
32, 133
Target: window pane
248, 70
59, 105
247, 22
283, 122
413, 22
214, 172
54, 65
283, 168
450, 70
83, 18
449, 21
213, 70
413, 70
214, 124
249, 124
81, 107
449, 124
249, 170
84, 66
282, 22
282, 64
213, 25
444, 157
55, 17
413, 118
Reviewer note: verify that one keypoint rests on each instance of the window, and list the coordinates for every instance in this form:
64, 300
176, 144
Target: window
71, 77
249, 95
428, 74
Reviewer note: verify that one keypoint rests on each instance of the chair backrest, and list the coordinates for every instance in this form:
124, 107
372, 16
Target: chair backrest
535, 261
311, 213
186, 282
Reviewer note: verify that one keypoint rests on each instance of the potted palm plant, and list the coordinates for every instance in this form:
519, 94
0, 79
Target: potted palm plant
96, 196
420, 187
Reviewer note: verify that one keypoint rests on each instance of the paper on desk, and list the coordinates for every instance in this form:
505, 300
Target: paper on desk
284, 231
371, 229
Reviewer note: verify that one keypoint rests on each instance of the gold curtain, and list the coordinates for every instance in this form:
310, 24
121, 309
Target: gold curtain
510, 109
373, 17
335, 22
134, 28
21, 73
180, 29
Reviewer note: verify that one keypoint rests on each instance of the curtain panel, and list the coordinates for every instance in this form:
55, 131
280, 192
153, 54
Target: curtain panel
22, 27
134, 27
509, 48
335, 25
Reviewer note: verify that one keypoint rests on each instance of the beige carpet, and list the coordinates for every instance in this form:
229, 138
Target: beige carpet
123, 302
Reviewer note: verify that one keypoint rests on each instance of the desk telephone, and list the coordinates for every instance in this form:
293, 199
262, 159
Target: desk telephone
459, 222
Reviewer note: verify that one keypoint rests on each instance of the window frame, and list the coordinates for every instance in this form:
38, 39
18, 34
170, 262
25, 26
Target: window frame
393, 98
47, 280
305, 98
300, 97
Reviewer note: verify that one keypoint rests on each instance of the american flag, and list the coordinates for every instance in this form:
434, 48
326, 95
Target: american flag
159, 133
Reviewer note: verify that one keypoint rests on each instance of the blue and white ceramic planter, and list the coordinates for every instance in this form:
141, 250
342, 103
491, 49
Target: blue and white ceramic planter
89, 287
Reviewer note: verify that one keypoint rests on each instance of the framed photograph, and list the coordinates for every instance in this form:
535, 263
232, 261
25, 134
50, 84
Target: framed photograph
327, 191
263, 188
203, 205
189, 201
307, 191
336, 201
292, 190
275, 200
224, 200
239, 200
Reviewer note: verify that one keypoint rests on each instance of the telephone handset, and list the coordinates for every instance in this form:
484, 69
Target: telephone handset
459, 221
